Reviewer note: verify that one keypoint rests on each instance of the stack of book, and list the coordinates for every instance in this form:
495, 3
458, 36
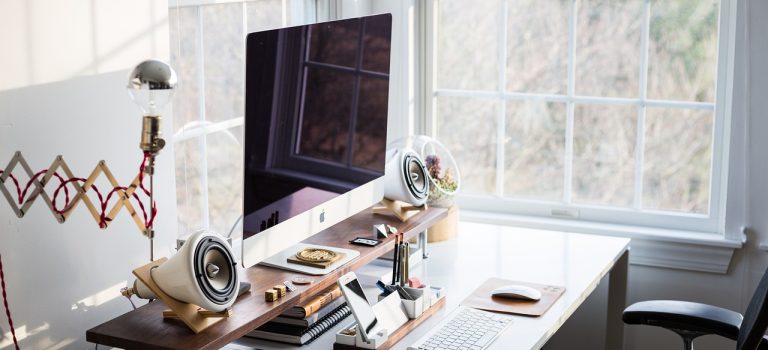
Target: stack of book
302, 324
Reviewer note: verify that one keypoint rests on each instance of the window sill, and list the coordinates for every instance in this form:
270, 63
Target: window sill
675, 249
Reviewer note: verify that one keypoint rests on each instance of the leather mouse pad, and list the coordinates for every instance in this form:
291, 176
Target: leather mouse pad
481, 298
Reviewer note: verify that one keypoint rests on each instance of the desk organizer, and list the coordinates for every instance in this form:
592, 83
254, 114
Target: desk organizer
394, 330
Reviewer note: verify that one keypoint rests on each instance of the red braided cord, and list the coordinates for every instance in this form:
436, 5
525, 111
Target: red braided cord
64, 185
29, 184
5, 302
153, 205
148, 222
15, 182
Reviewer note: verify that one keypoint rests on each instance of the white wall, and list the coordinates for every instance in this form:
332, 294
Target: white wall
51, 40
63, 70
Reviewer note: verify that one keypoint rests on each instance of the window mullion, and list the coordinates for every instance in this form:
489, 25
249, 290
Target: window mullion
203, 141
570, 108
643, 86
502, 81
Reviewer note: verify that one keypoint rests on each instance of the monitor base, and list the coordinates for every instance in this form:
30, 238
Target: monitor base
280, 260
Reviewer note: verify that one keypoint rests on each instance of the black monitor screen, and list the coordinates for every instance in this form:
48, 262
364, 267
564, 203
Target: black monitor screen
315, 115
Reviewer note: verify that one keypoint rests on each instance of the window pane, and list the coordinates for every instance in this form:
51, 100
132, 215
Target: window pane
604, 154
608, 47
535, 147
678, 160
467, 44
224, 56
467, 126
328, 94
683, 50
183, 34
371, 119
189, 207
537, 46
338, 44
263, 15
225, 179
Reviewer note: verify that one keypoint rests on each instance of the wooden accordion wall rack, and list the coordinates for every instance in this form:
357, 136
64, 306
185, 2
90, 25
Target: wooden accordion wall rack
82, 186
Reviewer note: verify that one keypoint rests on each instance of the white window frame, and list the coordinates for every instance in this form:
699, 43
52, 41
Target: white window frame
595, 218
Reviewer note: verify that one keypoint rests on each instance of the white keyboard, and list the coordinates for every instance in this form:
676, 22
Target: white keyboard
465, 328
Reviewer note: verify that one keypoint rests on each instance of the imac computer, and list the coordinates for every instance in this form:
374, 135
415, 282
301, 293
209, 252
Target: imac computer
316, 101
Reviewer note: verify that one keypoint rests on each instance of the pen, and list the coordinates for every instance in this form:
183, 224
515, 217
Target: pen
404, 274
395, 259
406, 263
403, 266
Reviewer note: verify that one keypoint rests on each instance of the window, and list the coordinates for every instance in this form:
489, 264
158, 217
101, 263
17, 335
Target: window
602, 110
208, 51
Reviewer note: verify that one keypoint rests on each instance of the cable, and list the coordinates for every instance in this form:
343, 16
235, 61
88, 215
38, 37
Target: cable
127, 293
234, 225
149, 219
5, 302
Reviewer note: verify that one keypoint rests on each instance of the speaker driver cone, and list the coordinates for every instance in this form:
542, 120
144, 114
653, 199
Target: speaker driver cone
406, 178
415, 176
215, 270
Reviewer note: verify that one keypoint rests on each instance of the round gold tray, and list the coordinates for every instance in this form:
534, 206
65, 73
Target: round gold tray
317, 255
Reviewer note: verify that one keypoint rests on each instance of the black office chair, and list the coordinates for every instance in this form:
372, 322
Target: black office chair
691, 320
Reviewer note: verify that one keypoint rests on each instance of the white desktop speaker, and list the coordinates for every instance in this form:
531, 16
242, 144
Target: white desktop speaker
203, 272
405, 177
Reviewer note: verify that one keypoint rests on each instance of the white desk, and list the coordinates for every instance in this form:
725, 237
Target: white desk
481, 251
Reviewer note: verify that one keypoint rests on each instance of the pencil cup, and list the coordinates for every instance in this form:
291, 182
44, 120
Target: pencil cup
424, 293
414, 308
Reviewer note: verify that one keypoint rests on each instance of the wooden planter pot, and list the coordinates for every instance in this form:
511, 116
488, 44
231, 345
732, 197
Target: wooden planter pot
445, 229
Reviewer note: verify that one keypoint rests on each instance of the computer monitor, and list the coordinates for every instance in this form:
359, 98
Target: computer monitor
315, 129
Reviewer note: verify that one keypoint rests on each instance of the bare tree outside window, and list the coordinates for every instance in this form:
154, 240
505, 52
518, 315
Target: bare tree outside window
208, 53
590, 102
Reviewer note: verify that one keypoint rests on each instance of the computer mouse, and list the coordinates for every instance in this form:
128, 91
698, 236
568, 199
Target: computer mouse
516, 291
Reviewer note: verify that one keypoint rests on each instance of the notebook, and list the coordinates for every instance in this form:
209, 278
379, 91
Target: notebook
481, 298
301, 335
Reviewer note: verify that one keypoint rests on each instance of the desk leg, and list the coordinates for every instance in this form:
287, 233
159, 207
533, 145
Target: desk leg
423, 244
617, 301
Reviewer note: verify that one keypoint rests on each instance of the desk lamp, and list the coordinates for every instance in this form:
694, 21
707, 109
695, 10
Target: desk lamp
151, 86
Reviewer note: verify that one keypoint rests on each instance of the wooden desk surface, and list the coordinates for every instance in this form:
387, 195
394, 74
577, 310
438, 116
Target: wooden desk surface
145, 328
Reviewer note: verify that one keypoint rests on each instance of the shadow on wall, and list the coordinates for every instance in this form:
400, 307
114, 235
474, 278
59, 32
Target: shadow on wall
52, 40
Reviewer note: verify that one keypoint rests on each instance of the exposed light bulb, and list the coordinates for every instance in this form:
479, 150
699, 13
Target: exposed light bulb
151, 85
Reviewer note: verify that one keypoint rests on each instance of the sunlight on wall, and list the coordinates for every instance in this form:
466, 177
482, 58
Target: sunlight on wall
106, 295
21, 334
50, 40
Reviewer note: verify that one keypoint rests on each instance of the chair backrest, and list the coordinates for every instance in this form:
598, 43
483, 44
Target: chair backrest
755, 318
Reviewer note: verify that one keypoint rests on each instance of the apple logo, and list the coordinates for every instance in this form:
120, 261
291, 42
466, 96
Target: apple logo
322, 216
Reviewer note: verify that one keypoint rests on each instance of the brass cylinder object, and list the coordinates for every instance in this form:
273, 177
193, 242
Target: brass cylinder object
151, 134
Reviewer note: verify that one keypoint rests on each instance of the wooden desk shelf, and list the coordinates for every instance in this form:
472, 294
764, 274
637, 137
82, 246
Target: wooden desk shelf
145, 328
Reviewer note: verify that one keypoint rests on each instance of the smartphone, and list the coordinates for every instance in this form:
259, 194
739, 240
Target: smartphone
358, 303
